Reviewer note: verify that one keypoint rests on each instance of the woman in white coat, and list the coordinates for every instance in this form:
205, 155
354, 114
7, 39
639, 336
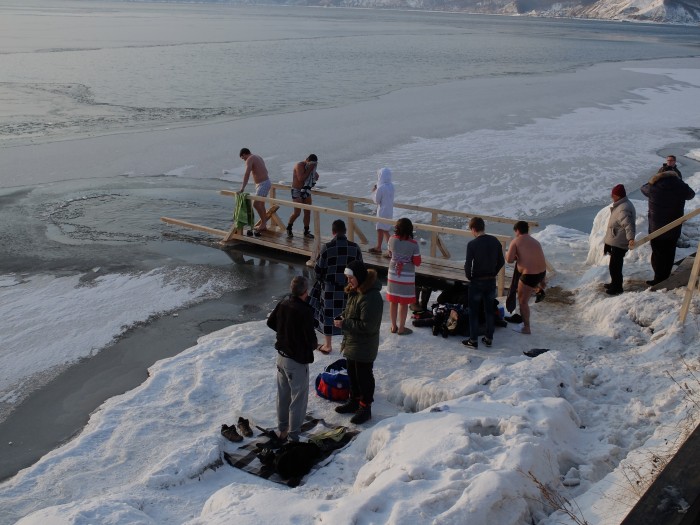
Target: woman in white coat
384, 199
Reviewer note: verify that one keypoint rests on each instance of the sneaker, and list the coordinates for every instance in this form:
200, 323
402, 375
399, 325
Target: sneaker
244, 427
308, 234
470, 343
363, 414
488, 342
348, 407
290, 233
231, 434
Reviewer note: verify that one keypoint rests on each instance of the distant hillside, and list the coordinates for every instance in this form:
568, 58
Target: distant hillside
663, 11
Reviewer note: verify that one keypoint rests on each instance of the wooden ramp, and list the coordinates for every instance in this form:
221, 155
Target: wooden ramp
437, 261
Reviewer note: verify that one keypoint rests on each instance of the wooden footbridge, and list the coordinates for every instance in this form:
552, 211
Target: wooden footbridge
437, 262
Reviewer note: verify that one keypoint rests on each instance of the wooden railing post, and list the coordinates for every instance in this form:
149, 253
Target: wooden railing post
433, 235
692, 285
351, 221
502, 273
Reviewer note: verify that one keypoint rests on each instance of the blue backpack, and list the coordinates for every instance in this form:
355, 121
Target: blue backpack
333, 383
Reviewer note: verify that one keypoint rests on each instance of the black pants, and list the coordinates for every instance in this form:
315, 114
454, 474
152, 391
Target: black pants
663, 253
361, 381
617, 258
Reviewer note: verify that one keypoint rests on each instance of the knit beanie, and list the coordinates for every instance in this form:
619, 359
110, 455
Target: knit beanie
619, 190
358, 269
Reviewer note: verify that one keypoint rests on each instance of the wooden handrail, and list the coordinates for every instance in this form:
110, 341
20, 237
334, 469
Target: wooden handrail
412, 207
361, 216
664, 229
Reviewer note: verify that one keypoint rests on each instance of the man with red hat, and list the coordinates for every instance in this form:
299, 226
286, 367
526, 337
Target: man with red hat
619, 236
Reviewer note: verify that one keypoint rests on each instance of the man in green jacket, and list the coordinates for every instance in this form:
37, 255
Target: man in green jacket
360, 323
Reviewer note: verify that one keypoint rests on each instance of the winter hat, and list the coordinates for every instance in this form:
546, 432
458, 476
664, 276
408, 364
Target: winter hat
619, 190
358, 269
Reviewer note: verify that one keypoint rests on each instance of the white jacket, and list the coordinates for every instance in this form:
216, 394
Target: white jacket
384, 198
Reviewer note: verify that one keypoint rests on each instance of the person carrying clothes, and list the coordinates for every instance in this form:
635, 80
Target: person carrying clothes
384, 199
293, 320
532, 267
304, 178
667, 194
329, 291
484, 261
401, 280
619, 236
360, 323
255, 166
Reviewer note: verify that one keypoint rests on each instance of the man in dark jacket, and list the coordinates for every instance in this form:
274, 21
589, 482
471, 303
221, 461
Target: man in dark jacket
670, 165
484, 261
360, 322
293, 320
667, 194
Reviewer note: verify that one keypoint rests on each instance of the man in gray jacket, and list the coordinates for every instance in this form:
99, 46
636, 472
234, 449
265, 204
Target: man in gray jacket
619, 237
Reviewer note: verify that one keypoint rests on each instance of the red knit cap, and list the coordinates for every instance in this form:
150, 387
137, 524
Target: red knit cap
619, 190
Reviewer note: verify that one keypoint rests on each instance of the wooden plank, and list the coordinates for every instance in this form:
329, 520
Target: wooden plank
443, 249
192, 226
678, 482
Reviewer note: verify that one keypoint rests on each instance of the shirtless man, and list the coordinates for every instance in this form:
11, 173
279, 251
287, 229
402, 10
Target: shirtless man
304, 178
255, 165
527, 252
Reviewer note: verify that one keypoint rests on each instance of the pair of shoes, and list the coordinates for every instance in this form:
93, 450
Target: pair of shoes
321, 349
488, 342
375, 251
364, 413
470, 343
521, 329
406, 331
290, 233
350, 406
539, 296
231, 434
308, 234
243, 426
252, 233
613, 291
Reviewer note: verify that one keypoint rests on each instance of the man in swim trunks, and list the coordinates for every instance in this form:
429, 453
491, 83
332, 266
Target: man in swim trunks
255, 165
527, 252
304, 178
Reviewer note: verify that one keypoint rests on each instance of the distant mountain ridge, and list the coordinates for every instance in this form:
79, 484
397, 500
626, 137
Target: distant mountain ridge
661, 11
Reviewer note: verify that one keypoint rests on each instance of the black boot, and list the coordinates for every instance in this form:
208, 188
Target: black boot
308, 234
363, 414
290, 233
348, 407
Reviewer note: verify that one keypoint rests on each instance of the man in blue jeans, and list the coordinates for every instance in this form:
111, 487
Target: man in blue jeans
484, 261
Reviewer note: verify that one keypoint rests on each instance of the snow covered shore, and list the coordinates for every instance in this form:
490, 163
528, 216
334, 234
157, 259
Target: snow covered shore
455, 431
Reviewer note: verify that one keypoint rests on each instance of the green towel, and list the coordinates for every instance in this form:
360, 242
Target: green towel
243, 212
